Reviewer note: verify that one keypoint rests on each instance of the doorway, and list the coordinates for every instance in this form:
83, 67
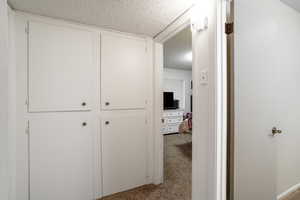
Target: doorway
177, 114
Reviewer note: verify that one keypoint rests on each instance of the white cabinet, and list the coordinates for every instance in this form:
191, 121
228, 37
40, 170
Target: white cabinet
124, 65
66, 69
124, 151
61, 67
61, 157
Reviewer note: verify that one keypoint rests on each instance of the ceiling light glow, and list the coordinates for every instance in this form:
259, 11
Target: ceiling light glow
188, 56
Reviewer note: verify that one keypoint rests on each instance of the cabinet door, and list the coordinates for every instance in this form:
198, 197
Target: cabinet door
61, 68
60, 157
123, 72
124, 137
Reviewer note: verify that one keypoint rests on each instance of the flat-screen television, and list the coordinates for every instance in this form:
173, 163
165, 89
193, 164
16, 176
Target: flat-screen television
169, 102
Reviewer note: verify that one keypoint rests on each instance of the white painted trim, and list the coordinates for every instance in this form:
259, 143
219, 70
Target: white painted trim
221, 101
158, 110
288, 192
177, 26
12, 118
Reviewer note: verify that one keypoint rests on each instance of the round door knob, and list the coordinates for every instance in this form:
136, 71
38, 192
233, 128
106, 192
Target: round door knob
83, 104
84, 124
107, 122
276, 131
107, 103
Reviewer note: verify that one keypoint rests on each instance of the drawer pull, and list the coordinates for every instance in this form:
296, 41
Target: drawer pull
84, 124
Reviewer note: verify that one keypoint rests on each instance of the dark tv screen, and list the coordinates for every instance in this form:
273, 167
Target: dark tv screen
168, 100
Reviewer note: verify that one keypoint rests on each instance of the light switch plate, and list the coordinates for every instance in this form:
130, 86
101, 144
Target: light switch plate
204, 77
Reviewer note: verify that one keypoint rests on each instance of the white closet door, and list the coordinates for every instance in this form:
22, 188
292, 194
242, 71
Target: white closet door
124, 154
61, 68
123, 72
60, 157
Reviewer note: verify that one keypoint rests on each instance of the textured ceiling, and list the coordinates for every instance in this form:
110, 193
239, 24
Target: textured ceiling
293, 3
178, 49
147, 17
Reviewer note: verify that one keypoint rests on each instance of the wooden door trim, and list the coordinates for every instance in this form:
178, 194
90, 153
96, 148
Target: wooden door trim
230, 103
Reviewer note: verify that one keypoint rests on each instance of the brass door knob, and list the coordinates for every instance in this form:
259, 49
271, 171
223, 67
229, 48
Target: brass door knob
276, 131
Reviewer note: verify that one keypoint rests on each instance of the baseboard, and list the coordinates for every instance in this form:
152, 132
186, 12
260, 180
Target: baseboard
286, 193
158, 180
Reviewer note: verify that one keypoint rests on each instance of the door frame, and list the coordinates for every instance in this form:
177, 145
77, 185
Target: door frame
219, 156
175, 27
230, 104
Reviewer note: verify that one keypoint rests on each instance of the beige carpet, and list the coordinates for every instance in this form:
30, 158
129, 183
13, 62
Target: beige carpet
293, 196
178, 170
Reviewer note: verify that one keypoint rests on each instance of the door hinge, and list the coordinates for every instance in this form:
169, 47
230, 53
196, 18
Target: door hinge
229, 28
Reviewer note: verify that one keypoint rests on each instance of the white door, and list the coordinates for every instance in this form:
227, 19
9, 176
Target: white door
60, 157
124, 68
124, 154
61, 68
256, 73
267, 80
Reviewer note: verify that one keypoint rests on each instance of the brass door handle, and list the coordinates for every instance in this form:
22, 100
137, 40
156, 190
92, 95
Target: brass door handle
276, 131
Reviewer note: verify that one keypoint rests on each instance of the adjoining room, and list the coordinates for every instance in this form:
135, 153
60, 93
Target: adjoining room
177, 113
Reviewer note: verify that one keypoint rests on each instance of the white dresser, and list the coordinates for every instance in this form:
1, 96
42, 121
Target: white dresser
172, 120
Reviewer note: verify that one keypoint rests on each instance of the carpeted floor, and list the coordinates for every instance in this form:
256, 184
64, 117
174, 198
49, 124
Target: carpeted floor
294, 196
178, 171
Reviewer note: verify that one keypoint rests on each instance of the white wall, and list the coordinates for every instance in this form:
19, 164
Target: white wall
4, 65
179, 82
204, 178
267, 69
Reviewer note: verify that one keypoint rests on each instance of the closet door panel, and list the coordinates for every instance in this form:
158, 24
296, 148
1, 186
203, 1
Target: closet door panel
61, 68
123, 72
124, 154
60, 157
